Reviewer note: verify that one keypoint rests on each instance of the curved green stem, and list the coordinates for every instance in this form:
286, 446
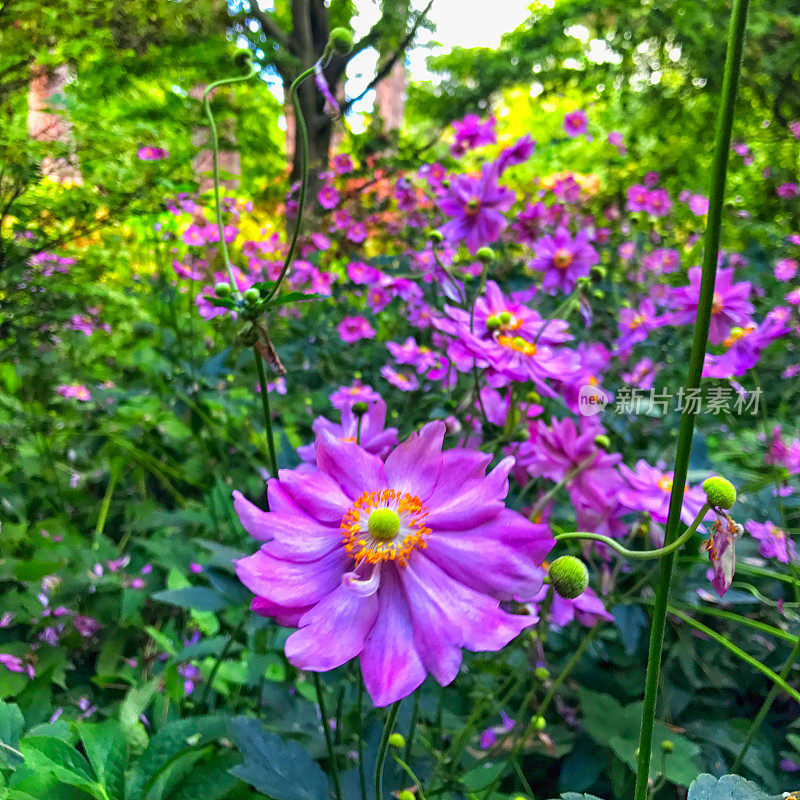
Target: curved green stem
770, 630
326, 728
362, 775
215, 162
301, 200
738, 652
722, 144
383, 747
218, 662
410, 773
641, 555
262, 380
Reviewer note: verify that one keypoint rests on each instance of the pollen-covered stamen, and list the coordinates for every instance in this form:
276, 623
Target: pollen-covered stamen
562, 258
717, 303
384, 526
518, 344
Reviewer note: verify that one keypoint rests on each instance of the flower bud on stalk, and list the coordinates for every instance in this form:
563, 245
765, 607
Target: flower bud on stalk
360, 408
222, 290
397, 740
252, 296
569, 577
720, 492
485, 255
340, 41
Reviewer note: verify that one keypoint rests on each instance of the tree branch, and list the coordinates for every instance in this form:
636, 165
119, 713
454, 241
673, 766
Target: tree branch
271, 28
395, 57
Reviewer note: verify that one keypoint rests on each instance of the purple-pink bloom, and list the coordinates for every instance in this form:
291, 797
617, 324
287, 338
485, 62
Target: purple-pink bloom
76, 390
788, 190
785, 269
575, 123
471, 133
730, 306
345, 396
372, 433
149, 153
773, 542
351, 329
649, 489
359, 272
400, 563
477, 205
328, 197
562, 259
400, 380
518, 153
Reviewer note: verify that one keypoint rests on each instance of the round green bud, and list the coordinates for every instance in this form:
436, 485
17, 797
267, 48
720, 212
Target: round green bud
598, 272
569, 576
720, 492
397, 740
542, 673
383, 524
222, 290
485, 255
602, 441
436, 236
242, 59
252, 296
504, 317
492, 323
520, 797
360, 408
538, 723
522, 435
445, 184
341, 41
404, 794
667, 746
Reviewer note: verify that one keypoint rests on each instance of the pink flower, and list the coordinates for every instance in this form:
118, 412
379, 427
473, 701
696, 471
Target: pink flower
399, 380
345, 396
471, 133
351, 329
359, 272
773, 541
788, 190
328, 197
149, 153
477, 205
785, 269
400, 563
562, 259
575, 123
76, 390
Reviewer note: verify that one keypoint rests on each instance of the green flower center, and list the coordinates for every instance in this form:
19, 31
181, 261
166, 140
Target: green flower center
383, 524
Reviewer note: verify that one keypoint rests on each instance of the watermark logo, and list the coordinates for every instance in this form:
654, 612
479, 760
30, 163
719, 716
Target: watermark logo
591, 400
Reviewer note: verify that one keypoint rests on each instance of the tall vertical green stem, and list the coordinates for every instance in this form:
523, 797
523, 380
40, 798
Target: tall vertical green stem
262, 380
722, 144
383, 748
326, 728
215, 163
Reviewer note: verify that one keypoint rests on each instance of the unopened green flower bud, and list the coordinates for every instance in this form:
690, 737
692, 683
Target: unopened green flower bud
538, 723
492, 323
522, 435
360, 408
252, 296
667, 746
569, 576
341, 41
222, 290
397, 740
485, 255
242, 59
542, 673
602, 441
504, 317
404, 794
598, 272
436, 236
720, 492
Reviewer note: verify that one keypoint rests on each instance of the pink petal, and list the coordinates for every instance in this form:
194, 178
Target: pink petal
414, 465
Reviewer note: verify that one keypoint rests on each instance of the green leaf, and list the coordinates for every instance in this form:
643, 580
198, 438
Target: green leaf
107, 748
169, 743
11, 724
728, 787
64, 762
617, 727
193, 597
208, 781
282, 770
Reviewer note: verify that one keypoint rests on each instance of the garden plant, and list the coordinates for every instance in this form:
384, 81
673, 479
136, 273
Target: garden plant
453, 461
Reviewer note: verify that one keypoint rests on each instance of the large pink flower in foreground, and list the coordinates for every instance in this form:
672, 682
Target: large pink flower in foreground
402, 563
